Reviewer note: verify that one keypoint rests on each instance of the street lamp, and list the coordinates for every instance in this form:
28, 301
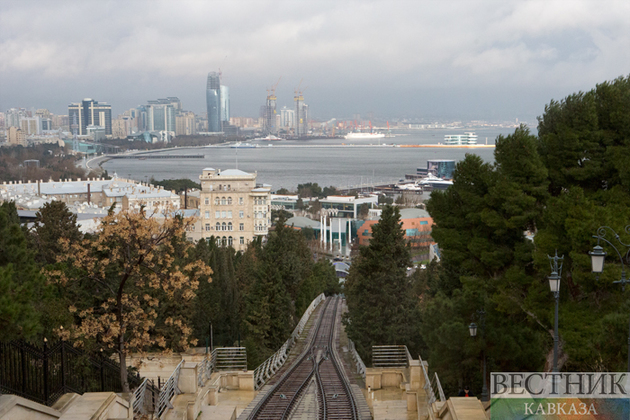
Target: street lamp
554, 285
598, 255
472, 329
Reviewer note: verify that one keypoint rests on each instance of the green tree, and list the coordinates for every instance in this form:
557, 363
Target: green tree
54, 222
309, 190
327, 191
177, 185
21, 283
382, 308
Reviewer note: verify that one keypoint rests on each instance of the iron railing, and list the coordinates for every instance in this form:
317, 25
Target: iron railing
431, 387
45, 374
390, 356
206, 367
145, 398
360, 366
222, 358
169, 390
270, 366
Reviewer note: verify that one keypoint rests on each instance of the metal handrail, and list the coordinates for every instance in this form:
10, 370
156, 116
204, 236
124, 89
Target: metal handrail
206, 367
146, 390
360, 366
439, 387
390, 356
270, 366
431, 398
169, 391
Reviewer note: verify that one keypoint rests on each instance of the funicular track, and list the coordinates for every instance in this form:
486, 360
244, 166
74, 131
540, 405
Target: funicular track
319, 363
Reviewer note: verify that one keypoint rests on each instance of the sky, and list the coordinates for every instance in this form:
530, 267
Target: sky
426, 60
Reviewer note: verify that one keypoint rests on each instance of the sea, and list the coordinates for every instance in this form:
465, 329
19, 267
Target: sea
328, 162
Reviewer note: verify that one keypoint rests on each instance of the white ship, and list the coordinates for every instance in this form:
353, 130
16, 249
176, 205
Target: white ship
270, 137
460, 139
428, 183
364, 136
239, 145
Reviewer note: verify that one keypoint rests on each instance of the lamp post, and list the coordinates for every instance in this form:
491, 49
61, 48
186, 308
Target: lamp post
472, 329
598, 256
554, 285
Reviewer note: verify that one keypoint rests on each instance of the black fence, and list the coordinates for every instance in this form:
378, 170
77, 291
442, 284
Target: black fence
45, 374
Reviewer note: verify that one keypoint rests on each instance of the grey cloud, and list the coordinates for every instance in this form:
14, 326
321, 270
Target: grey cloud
355, 56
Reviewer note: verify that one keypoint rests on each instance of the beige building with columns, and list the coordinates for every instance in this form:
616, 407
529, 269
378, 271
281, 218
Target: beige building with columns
232, 208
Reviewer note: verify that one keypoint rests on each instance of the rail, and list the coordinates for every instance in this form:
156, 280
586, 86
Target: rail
360, 366
431, 386
145, 397
222, 358
206, 367
168, 392
390, 356
270, 366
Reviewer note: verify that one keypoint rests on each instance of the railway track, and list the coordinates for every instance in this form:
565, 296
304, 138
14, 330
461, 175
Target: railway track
317, 370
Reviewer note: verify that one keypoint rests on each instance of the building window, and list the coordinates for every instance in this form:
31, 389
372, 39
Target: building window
241, 226
218, 226
229, 214
216, 201
223, 214
224, 241
218, 241
241, 214
220, 187
229, 226
230, 242
241, 240
223, 201
223, 226
217, 214
207, 201
210, 187
240, 200
207, 215
229, 188
207, 226
229, 201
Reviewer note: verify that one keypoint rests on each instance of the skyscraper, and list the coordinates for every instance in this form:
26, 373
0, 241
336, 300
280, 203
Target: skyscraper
161, 114
213, 101
225, 105
90, 112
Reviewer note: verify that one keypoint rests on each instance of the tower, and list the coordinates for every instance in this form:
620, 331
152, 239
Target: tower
91, 112
213, 101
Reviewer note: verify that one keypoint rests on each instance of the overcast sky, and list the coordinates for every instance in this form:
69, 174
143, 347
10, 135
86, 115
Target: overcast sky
426, 59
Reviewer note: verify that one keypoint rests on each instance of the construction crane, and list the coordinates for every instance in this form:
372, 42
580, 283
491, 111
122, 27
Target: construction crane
270, 109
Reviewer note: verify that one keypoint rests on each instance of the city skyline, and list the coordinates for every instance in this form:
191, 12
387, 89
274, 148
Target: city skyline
458, 60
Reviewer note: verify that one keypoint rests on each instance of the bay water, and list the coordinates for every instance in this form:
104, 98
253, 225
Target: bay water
337, 162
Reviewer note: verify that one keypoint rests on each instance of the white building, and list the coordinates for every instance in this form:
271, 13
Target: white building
233, 209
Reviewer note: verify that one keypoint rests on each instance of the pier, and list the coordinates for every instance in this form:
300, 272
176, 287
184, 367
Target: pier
160, 156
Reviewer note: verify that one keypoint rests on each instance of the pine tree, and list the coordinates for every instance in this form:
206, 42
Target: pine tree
382, 308
54, 222
21, 283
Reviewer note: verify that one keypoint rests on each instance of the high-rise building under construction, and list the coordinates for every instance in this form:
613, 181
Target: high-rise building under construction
300, 114
213, 101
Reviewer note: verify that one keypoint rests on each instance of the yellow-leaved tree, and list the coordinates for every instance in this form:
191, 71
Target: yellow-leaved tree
131, 284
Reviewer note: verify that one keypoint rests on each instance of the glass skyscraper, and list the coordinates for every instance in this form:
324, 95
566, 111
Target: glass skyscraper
91, 112
213, 101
